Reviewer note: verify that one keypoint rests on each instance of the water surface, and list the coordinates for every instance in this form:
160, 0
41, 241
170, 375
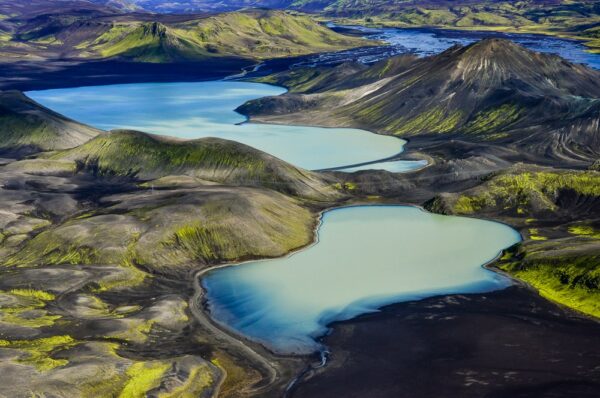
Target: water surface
366, 257
206, 109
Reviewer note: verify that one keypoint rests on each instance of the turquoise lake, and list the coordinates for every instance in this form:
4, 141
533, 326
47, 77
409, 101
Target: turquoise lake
366, 257
206, 109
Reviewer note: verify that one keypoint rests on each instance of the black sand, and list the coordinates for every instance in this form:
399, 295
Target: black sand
510, 343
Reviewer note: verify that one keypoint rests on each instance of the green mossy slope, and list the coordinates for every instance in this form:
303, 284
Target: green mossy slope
528, 193
569, 277
27, 127
572, 19
146, 156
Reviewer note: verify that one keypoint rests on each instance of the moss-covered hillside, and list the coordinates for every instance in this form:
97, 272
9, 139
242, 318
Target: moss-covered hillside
146, 156
27, 127
96, 278
251, 34
573, 19
566, 18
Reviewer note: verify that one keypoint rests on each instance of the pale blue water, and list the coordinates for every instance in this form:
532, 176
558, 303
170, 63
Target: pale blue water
366, 257
206, 109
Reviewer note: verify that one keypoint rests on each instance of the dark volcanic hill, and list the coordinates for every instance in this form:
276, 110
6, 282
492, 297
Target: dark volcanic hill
27, 127
493, 91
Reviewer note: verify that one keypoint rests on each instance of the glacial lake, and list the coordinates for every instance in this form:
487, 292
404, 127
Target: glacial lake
366, 257
206, 109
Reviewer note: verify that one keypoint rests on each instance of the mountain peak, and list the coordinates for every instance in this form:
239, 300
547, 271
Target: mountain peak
494, 43
495, 62
154, 29
495, 50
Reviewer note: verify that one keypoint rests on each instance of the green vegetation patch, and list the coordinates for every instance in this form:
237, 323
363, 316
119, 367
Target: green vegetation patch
208, 243
528, 191
143, 377
491, 120
25, 308
345, 187
38, 352
584, 230
534, 234
435, 120
39, 295
571, 281
44, 248
130, 153
470, 204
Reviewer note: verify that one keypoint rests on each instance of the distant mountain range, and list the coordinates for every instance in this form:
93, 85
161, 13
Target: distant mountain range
125, 5
355, 7
575, 19
190, 6
74, 30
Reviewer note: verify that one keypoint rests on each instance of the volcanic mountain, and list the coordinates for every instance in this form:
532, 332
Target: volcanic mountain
493, 91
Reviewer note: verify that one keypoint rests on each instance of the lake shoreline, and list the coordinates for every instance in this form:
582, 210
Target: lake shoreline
259, 351
344, 213
193, 110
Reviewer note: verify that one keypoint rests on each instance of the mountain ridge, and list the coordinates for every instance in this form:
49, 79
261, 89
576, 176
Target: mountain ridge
492, 91
574, 19
144, 37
